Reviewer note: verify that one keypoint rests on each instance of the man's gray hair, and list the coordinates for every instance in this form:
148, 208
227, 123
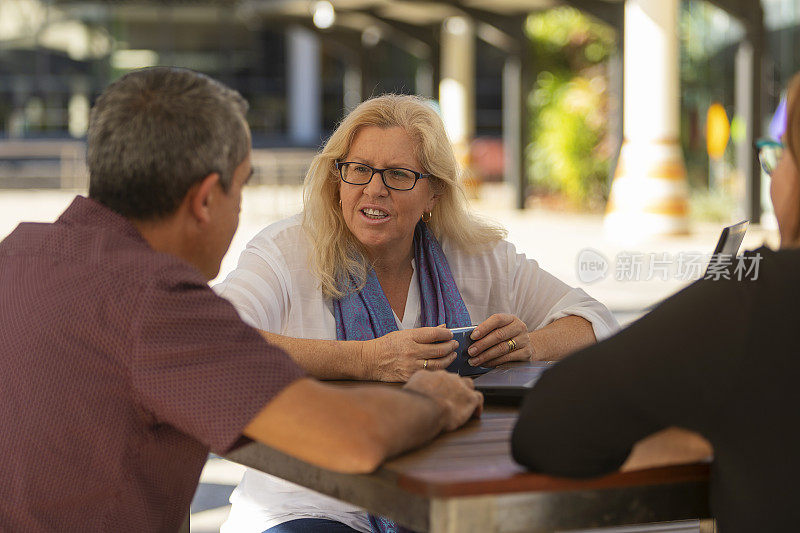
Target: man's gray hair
156, 132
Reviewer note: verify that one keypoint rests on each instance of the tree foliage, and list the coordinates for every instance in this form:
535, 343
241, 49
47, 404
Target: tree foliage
570, 152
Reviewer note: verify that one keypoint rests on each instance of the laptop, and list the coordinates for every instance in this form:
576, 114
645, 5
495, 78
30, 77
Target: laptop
511, 382
728, 244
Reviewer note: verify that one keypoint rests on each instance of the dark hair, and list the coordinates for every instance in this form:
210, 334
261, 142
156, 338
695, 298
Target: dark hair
156, 132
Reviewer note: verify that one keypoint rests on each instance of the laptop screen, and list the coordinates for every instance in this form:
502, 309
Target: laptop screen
731, 239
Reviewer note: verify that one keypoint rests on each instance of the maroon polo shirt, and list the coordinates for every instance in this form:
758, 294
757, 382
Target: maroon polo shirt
119, 370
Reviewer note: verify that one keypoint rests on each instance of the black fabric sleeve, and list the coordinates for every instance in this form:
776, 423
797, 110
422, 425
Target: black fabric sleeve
673, 367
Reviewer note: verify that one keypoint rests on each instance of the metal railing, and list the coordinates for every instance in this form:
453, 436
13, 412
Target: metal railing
61, 164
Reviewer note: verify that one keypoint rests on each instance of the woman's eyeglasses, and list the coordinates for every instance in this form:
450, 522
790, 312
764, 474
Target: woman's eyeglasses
399, 179
769, 153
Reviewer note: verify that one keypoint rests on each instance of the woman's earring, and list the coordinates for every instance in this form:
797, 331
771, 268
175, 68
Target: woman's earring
427, 219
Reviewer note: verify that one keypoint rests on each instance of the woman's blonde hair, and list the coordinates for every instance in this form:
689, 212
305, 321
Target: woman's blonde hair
337, 258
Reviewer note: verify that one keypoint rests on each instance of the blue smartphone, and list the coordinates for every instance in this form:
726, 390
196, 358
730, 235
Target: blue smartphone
461, 364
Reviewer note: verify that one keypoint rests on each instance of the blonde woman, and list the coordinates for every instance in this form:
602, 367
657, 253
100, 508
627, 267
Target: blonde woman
364, 283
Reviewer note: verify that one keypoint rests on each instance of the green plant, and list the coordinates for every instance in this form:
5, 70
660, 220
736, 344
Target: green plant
712, 206
568, 153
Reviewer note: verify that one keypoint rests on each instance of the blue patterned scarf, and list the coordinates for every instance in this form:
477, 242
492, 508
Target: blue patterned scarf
367, 314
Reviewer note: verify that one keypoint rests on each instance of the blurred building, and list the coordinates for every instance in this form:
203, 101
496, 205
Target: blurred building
57, 56
302, 63
710, 50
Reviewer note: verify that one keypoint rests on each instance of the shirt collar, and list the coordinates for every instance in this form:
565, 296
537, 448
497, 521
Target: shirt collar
87, 212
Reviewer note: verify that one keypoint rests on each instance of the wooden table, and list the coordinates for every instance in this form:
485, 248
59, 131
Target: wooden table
466, 481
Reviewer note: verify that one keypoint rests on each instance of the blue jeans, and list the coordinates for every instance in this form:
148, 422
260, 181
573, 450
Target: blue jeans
311, 525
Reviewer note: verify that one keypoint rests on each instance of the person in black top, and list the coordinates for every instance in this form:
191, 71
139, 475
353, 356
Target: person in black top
720, 359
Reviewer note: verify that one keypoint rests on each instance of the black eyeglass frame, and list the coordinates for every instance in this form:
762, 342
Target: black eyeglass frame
417, 175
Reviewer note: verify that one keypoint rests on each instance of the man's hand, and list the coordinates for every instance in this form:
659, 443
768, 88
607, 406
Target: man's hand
669, 446
397, 355
457, 395
499, 339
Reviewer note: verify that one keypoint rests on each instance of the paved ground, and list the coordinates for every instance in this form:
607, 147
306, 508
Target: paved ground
558, 240
555, 239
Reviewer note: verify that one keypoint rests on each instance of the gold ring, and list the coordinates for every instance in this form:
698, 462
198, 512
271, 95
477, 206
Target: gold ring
425, 365
512, 345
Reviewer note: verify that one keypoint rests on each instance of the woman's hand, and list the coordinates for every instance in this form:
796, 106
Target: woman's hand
499, 339
397, 355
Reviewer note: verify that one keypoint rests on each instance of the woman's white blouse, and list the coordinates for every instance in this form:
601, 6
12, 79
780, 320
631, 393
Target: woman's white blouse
273, 289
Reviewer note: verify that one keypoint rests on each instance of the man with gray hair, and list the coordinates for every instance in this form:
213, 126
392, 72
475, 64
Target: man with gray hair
119, 367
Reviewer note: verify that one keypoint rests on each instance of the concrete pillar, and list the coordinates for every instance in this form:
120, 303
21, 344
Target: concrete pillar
78, 108
649, 195
457, 85
748, 108
516, 129
304, 86
352, 85
16, 125
513, 119
423, 79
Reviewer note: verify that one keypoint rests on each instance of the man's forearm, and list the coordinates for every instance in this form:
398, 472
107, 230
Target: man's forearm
561, 338
324, 359
347, 429
418, 419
